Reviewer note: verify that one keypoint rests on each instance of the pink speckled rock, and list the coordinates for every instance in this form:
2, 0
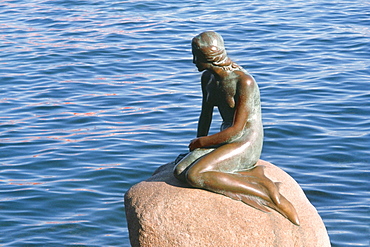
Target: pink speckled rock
162, 211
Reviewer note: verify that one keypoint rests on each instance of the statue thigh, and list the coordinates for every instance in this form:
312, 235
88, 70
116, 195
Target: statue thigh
189, 159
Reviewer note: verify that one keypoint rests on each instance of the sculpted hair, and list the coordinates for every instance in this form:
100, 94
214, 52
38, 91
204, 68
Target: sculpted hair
211, 45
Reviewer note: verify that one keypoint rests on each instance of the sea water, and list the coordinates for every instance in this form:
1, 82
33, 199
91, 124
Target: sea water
95, 95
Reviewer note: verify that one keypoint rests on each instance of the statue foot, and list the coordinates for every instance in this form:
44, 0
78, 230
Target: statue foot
257, 174
277, 201
285, 208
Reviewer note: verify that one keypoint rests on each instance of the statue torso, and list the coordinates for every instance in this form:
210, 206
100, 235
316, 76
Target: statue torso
224, 95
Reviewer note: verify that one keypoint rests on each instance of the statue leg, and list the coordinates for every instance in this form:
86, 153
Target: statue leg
184, 164
232, 184
216, 172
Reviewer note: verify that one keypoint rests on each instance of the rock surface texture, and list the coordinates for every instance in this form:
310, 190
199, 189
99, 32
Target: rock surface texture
163, 211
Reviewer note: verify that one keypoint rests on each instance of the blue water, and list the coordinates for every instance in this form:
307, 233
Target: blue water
95, 95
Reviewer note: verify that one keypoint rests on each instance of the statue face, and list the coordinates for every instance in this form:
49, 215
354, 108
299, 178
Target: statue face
199, 60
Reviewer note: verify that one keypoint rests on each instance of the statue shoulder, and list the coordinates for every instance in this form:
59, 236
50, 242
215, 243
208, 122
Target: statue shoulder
246, 80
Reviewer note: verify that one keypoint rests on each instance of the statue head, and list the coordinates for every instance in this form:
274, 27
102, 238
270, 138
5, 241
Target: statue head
210, 45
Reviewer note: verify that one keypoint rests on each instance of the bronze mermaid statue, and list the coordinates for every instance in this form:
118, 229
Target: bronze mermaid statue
225, 162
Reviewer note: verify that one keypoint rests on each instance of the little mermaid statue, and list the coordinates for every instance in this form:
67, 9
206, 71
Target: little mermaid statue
225, 162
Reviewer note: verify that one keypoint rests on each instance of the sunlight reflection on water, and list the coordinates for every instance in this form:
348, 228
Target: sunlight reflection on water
97, 95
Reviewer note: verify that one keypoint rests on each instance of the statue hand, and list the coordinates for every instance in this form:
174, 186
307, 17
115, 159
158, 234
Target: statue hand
194, 144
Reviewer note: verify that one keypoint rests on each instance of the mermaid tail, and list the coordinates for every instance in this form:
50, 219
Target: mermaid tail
286, 209
271, 198
257, 176
250, 200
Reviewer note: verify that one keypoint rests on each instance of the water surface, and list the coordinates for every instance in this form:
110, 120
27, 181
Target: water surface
95, 95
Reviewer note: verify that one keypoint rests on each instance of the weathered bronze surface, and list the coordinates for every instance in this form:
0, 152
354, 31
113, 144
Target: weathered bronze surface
225, 162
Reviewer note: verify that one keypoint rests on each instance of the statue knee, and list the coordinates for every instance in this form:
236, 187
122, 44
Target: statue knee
194, 178
180, 173
176, 171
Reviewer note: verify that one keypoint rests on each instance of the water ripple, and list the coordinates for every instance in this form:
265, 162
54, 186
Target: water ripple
96, 95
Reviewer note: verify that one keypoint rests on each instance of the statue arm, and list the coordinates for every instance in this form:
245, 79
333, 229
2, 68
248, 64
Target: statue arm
205, 117
205, 120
